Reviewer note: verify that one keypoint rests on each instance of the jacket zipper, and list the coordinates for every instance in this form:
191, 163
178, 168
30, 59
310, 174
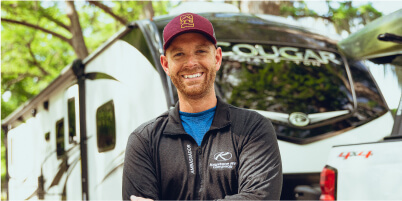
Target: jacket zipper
200, 182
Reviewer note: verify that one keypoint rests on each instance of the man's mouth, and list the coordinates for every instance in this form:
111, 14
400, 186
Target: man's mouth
192, 76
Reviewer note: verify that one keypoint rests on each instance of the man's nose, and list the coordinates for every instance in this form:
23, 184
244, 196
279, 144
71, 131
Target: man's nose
191, 61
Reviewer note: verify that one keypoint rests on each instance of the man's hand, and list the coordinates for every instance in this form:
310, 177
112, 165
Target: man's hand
135, 198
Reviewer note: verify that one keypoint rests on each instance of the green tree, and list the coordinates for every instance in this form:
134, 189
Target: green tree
343, 15
40, 38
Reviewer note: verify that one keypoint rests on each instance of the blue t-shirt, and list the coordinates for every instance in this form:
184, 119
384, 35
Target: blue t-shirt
197, 124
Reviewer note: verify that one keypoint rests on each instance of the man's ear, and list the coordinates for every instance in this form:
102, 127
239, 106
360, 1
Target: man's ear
164, 63
218, 58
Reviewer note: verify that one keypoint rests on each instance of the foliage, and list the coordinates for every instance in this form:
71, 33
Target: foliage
343, 15
393, 111
31, 58
270, 87
36, 49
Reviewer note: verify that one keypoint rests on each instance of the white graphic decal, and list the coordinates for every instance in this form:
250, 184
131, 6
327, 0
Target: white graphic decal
257, 54
190, 159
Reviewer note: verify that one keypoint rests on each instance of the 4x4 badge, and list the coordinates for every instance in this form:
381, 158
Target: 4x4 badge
299, 119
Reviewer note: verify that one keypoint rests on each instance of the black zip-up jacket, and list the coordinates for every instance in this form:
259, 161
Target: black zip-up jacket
238, 159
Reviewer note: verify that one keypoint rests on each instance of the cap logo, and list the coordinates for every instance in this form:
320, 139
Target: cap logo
186, 21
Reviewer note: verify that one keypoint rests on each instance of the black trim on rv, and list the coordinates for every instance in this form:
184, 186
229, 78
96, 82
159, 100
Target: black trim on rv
79, 71
397, 129
153, 39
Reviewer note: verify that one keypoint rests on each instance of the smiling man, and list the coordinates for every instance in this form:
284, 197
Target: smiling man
203, 149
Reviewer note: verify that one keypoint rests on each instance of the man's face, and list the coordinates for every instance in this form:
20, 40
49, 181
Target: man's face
191, 61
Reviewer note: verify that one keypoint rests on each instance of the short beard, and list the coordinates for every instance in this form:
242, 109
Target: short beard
198, 92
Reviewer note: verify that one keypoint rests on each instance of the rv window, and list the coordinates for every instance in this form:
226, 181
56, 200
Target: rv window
106, 127
283, 78
47, 136
71, 119
370, 103
287, 79
60, 138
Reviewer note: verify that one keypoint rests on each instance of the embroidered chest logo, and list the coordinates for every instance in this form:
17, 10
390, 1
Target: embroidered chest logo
186, 21
221, 160
222, 156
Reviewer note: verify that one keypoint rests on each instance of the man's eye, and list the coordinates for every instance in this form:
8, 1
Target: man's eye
178, 54
201, 51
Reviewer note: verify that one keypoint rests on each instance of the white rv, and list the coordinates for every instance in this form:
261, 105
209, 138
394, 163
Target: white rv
69, 141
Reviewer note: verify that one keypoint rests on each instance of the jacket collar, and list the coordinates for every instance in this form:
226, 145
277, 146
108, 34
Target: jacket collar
221, 119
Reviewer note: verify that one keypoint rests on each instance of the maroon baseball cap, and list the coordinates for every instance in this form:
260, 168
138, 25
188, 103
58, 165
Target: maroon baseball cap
187, 22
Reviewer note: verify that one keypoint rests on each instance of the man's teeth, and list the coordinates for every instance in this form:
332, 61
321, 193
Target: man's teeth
192, 76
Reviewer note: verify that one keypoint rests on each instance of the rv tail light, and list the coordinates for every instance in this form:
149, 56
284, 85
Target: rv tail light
328, 183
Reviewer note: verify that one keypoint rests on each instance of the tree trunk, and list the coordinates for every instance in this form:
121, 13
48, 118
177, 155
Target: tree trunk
148, 10
78, 42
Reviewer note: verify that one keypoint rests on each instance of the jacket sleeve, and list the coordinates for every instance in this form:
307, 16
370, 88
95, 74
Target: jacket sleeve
139, 176
260, 167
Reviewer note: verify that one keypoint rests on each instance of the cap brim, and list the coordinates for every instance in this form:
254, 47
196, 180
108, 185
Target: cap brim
207, 35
